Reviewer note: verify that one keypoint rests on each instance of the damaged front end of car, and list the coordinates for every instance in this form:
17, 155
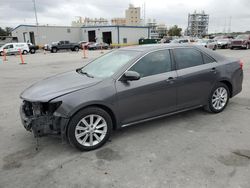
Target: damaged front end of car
41, 119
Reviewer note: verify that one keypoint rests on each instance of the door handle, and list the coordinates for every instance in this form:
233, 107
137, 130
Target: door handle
213, 70
170, 79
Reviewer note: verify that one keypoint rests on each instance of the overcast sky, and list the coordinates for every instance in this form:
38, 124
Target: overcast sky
170, 12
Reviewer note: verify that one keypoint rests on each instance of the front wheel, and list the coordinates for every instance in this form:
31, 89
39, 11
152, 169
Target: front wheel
32, 51
247, 46
218, 98
90, 128
54, 50
76, 49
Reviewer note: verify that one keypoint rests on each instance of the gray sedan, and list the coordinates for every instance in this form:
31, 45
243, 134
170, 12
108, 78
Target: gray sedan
128, 86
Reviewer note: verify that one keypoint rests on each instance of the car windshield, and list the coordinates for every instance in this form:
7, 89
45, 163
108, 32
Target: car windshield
108, 64
242, 37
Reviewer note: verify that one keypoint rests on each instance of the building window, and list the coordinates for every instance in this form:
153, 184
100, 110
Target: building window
68, 30
124, 40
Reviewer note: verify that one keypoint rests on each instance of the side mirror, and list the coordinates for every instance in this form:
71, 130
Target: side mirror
130, 76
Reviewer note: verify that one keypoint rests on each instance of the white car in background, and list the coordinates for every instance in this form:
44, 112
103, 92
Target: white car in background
207, 43
13, 48
224, 43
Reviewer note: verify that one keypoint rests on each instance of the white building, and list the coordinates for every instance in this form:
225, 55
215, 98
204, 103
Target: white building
115, 34
46, 34
110, 34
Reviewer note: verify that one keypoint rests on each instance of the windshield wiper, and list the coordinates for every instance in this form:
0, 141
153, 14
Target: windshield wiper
85, 73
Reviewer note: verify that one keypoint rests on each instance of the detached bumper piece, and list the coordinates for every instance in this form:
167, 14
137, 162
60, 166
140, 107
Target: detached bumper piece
39, 119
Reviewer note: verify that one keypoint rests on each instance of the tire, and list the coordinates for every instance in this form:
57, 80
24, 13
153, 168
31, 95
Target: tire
232, 48
25, 52
220, 90
247, 47
32, 51
80, 125
215, 47
1, 54
76, 49
54, 50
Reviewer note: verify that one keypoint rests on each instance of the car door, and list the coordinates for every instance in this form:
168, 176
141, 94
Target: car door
153, 94
60, 45
196, 72
9, 49
67, 45
18, 47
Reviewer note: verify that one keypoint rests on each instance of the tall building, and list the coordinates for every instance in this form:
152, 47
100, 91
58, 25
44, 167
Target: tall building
153, 25
198, 24
89, 22
133, 15
118, 21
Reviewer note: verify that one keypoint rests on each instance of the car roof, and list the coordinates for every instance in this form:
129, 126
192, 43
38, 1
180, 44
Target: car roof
14, 43
152, 47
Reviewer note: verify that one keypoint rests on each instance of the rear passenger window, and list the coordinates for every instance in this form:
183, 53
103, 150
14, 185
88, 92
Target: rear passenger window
207, 59
153, 63
187, 57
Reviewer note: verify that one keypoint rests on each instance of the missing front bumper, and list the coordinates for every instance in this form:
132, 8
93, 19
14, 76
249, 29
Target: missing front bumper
44, 124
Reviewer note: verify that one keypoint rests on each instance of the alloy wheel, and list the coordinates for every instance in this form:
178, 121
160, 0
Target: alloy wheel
219, 98
91, 130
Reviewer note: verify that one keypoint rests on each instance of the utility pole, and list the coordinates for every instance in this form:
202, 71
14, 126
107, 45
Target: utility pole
37, 33
229, 26
144, 13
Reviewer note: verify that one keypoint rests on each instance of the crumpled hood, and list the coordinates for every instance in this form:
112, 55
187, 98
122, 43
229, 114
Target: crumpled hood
61, 84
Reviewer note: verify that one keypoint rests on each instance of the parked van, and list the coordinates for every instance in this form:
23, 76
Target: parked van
13, 48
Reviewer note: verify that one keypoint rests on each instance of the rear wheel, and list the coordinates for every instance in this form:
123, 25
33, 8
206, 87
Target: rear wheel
90, 128
232, 48
215, 47
218, 98
1, 53
25, 52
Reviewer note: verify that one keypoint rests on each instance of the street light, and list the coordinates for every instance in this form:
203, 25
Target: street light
34, 3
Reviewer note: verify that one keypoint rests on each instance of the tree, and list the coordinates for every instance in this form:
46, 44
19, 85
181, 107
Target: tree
6, 31
174, 31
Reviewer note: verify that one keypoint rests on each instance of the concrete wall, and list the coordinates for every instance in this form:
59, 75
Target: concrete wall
48, 34
133, 34
98, 32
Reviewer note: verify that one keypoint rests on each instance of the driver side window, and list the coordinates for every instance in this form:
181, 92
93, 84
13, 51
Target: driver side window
9, 46
154, 63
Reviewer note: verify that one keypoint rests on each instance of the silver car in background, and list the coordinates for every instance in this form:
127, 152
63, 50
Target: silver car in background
207, 43
224, 43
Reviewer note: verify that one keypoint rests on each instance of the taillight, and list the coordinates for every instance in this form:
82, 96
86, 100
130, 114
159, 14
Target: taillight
241, 64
